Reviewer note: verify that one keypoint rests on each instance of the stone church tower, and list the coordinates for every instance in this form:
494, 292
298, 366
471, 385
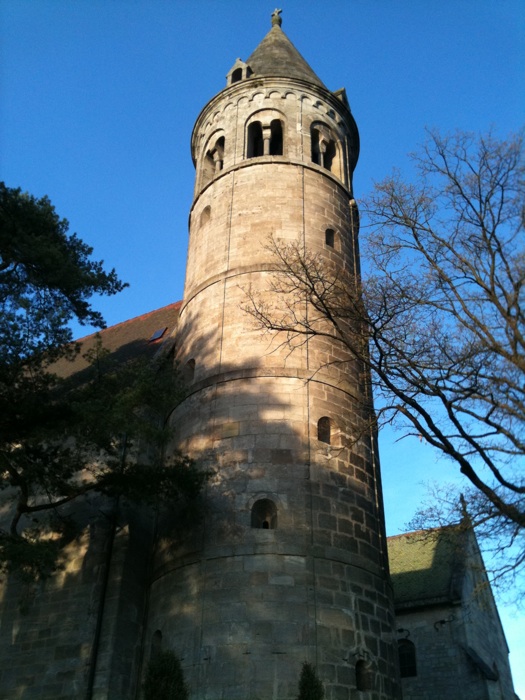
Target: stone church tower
286, 561
289, 562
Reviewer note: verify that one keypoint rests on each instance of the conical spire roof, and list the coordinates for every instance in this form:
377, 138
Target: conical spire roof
276, 56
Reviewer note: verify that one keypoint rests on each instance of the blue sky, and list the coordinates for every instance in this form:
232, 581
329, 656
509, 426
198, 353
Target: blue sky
99, 98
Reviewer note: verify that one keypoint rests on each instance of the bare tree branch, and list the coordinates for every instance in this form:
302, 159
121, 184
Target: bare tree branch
438, 320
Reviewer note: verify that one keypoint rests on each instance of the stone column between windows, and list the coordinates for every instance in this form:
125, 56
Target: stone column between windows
267, 135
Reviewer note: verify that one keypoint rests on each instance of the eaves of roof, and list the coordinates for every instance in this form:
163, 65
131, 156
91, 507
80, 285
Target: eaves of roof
125, 341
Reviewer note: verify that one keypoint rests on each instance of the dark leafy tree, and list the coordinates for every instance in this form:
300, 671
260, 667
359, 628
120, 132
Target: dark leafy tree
310, 686
47, 277
107, 432
437, 320
164, 678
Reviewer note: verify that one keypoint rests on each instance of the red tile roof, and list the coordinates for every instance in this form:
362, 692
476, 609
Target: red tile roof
125, 340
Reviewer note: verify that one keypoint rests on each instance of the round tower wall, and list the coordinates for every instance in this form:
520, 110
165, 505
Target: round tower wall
287, 563
230, 259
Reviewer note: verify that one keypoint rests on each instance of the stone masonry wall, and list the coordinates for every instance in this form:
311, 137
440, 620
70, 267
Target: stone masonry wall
50, 647
243, 606
47, 629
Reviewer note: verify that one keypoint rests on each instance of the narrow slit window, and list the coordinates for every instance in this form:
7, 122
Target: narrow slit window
324, 430
363, 675
329, 237
407, 658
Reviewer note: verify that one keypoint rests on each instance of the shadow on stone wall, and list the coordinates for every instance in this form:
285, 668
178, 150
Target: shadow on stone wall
242, 606
80, 628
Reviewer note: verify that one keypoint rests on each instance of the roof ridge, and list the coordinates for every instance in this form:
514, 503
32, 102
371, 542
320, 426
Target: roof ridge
173, 305
425, 531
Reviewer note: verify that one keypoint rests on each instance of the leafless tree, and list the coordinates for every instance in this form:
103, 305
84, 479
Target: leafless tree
437, 318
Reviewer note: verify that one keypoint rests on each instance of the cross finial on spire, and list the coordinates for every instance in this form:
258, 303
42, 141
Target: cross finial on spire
276, 17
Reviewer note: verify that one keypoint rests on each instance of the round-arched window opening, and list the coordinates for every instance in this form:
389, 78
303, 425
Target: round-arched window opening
218, 154
276, 139
213, 160
324, 430
237, 75
326, 152
329, 155
255, 146
205, 215
407, 658
264, 514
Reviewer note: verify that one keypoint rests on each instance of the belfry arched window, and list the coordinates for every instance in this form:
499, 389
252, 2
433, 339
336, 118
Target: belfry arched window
213, 160
276, 138
316, 153
217, 154
264, 514
325, 151
255, 140
329, 155
265, 134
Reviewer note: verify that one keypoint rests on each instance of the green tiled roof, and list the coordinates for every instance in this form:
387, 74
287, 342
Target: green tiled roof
426, 566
